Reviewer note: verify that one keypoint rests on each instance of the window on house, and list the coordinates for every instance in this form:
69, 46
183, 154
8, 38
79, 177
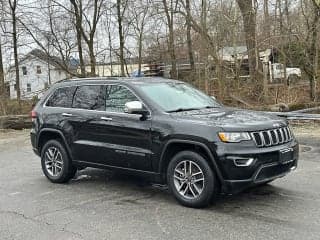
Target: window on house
28, 87
15, 87
24, 70
46, 85
38, 69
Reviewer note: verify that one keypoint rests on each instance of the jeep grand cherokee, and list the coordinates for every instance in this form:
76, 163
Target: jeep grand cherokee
161, 129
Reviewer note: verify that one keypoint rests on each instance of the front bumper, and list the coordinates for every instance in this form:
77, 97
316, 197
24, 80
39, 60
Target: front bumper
264, 174
267, 165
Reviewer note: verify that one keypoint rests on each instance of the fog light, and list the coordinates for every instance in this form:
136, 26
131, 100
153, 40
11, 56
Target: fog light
242, 162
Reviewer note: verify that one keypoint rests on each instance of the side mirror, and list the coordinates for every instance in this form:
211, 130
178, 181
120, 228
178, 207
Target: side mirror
135, 107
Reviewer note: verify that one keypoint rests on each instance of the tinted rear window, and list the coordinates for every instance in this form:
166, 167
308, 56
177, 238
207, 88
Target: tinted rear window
62, 97
90, 97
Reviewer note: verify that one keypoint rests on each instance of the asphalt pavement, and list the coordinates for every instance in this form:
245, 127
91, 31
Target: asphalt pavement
98, 204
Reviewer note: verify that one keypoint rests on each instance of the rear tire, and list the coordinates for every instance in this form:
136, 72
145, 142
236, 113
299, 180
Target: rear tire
55, 162
191, 180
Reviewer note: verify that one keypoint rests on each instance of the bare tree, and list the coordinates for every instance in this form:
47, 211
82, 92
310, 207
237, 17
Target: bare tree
88, 37
2, 86
121, 8
169, 10
13, 9
78, 25
189, 39
249, 25
313, 50
139, 12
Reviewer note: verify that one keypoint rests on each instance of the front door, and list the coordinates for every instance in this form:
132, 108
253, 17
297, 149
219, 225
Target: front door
129, 136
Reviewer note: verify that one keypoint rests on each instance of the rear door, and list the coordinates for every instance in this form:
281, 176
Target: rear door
88, 110
56, 109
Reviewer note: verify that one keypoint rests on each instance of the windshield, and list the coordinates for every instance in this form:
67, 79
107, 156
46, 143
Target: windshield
175, 97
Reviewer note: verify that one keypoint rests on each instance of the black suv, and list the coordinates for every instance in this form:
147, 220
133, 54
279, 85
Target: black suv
161, 129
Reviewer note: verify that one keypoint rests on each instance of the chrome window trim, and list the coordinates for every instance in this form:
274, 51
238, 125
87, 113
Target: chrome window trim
99, 84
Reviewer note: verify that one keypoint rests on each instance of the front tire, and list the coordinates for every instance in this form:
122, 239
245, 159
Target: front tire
55, 162
191, 180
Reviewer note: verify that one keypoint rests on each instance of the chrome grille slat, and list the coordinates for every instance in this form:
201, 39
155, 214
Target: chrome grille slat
286, 133
271, 140
277, 136
272, 137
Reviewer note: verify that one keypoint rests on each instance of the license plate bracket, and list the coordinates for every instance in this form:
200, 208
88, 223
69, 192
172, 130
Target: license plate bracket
286, 155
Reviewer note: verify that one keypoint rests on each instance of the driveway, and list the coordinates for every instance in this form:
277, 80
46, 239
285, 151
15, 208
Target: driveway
99, 204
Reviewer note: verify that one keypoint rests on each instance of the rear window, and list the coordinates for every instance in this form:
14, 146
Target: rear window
62, 97
90, 97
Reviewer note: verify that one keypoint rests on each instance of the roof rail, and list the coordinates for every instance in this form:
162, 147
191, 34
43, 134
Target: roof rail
87, 78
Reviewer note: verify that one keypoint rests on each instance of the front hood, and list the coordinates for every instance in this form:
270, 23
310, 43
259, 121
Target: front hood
231, 119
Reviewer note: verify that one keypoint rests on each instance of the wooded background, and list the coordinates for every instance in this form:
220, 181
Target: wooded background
171, 32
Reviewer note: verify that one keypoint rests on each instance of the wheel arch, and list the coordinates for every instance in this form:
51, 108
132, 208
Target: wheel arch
174, 146
47, 134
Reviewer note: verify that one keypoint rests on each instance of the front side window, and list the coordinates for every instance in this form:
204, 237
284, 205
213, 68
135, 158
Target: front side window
90, 97
174, 97
117, 97
62, 97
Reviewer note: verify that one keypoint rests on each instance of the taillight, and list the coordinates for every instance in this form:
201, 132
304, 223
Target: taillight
33, 115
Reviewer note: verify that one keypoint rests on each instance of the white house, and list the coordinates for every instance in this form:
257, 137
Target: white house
37, 71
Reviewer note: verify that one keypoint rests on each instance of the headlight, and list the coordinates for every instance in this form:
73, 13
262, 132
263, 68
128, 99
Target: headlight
234, 137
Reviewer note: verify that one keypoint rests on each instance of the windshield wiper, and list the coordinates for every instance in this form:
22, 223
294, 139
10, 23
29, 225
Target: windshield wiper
182, 110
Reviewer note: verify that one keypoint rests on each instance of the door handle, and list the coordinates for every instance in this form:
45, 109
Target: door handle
106, 119
67, 114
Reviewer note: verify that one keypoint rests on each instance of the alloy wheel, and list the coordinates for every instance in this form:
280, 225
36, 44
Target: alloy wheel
189, 179
53, 161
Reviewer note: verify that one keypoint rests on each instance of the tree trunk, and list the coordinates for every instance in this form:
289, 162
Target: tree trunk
140, 52
110, 52
2, 86
92, 59
13, 6
78, 18
267, 21
121, 38
314, 51
249, 24
172, 53
3, 93
189, 39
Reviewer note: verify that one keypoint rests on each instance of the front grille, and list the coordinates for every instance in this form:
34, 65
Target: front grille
272, 137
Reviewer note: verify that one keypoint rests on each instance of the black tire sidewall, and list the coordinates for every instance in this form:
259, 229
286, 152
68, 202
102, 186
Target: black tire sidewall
67, 169
210, 184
